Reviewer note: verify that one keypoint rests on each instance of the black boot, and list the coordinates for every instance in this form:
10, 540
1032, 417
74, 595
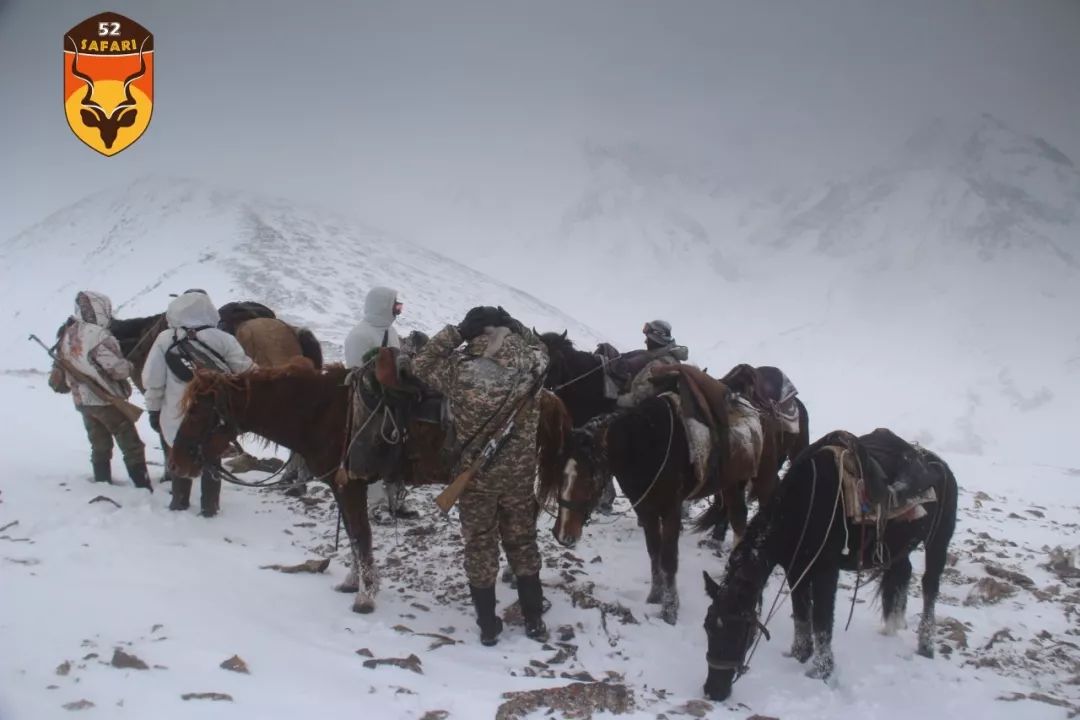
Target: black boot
139, 476
102, 471
531, 596
181, 493
490, 623
210, 495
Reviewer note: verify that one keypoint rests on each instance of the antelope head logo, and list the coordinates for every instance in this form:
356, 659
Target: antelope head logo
123, 115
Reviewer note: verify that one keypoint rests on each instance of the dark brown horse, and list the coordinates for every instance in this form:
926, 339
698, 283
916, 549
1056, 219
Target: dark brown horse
660, 461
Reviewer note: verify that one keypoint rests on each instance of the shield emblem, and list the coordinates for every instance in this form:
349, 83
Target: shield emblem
108, 81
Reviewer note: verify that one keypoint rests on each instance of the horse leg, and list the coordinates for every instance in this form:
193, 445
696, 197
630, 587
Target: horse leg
356, 511
894, 594
735, 502
823, 593
670, 528
650, 523
719, 530
936, 555
802, 645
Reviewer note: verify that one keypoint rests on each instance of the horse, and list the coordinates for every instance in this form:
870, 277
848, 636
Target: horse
266, 340
300, 408
577, 377
309, 411
806, 530
747, 381
269, 342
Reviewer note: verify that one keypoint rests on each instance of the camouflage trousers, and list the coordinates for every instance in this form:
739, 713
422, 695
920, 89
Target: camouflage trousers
103, 423
495, 511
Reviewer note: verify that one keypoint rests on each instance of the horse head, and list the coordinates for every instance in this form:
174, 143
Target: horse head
559, 348
206, 430
731, 627
584, 474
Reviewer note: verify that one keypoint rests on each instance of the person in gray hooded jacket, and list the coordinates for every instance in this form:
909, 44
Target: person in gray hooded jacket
381, 308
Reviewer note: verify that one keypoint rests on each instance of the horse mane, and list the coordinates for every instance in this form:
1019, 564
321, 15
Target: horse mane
310, 346
552, 433
207, 382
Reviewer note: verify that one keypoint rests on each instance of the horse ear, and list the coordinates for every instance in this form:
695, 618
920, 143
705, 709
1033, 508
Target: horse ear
535, 331
711, 588
564, 332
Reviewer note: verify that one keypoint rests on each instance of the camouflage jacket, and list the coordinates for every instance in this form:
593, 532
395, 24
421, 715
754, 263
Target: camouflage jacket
485, 380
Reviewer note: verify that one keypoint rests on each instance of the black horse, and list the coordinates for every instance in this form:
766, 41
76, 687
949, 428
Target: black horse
577, 377
805, 530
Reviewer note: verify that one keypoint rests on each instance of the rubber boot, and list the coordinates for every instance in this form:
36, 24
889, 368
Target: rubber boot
490, 623
140, 476
210, 497
102, 471
531, 596
181, 493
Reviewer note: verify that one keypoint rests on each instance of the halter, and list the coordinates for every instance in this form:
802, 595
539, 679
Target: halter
740, 666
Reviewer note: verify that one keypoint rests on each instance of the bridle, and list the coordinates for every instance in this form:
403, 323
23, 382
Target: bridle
750, 622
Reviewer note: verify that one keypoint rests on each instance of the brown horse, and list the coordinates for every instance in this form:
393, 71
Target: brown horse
651, 452
311, 413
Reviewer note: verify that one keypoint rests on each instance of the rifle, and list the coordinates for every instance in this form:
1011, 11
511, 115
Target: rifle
448, 497
130, 411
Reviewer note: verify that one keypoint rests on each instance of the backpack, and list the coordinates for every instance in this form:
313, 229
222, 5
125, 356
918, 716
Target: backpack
187, 354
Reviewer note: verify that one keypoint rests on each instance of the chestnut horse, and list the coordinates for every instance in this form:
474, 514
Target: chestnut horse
308, 412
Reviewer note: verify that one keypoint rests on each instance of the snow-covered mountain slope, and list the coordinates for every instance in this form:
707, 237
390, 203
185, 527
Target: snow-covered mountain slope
936, 295
158, 236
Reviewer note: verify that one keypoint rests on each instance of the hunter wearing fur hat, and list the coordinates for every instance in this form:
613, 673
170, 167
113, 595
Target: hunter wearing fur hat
491, 381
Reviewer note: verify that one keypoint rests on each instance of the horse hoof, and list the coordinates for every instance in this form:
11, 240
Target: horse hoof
654, 598
926, 652
669, 615
364, 607
347, 587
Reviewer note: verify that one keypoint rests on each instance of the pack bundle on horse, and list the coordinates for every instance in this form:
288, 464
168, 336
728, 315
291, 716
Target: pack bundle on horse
847, 503
694, 442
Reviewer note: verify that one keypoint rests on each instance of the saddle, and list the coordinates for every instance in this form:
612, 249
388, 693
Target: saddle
769, 390
884, 477
233, 315
719, 424
397, 399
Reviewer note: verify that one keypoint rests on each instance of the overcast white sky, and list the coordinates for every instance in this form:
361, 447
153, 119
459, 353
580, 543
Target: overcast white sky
396, 110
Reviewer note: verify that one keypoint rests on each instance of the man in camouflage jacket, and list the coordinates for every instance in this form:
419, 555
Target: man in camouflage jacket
86, 343
485, 382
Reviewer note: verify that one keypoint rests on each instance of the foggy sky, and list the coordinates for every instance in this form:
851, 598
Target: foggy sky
405, 112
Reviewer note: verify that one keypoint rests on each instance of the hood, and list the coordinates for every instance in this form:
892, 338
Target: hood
379, 307
191, 310
93, 308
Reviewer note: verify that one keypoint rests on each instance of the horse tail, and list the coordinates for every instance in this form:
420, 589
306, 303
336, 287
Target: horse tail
310, 347
710, 518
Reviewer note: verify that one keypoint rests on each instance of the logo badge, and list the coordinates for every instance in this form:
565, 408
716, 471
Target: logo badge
108, 81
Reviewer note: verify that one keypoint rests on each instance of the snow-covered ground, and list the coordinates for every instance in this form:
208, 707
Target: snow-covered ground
183, 594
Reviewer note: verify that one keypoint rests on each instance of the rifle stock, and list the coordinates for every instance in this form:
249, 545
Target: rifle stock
129, 410
448, 497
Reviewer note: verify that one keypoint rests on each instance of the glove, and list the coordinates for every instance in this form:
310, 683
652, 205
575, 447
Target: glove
155, 420
476, 320
506, 320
